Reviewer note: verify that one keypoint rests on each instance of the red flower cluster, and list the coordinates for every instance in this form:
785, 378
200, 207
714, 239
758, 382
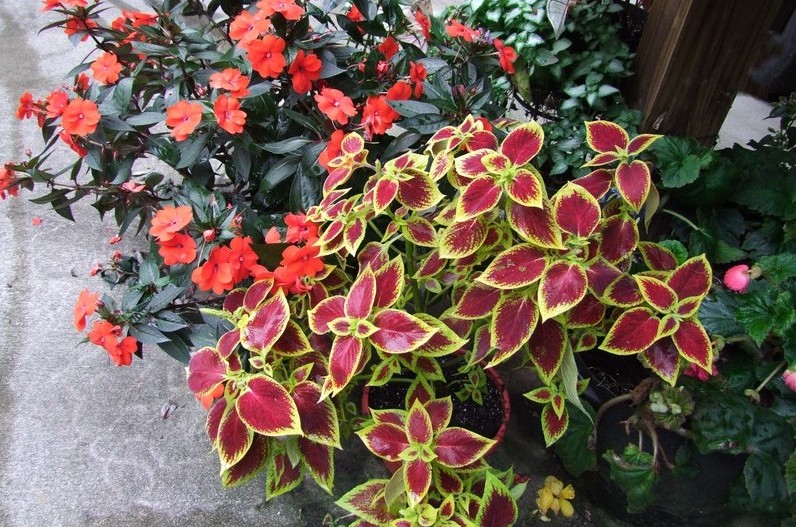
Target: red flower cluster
506, 55
120, 349
226, 266
175, 247
106, 68
298, 263
378, 116
183, 118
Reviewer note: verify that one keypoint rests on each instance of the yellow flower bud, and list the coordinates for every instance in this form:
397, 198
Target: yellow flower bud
566, 508
545, 500
567, 493
556, 486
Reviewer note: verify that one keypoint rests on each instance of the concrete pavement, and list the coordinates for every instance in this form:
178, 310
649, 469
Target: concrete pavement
82, 442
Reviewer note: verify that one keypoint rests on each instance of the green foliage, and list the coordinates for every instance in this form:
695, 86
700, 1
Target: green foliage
573, 448
634, 473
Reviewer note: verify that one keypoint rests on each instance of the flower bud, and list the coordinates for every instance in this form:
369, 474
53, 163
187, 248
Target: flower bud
737, 278
209, 235
789, 376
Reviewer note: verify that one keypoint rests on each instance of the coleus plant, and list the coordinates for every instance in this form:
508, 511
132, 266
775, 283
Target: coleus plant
456, 255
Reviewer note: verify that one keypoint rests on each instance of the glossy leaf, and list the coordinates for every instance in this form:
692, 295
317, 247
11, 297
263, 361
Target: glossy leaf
693, 344
516, 267
576, 211
633, 181
605, 136
634, 331
523, 143
457, 447
561, 287
399, 332
267, 408
663, 358
513, 321
266, 324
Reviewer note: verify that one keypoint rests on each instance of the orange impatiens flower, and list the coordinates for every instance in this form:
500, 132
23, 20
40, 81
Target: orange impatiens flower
80, 117
8, 182
247, 27
71, 143
104, 334
417, 74
332, 149
122, 355
424, 23
169, 220
354, 14
56, 103
266, 56
506, 55
241, 257
335, 105
458, 30
388, 48
299, 229
305, 69
183, 118
27, 106
106, 68
288, 8
232, 80
179, 249
229, 115
302, 261
52, 4
77, 26
85, 306
216, 273
400, 91
378, 115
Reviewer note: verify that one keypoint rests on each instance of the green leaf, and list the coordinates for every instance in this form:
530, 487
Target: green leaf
569, 380
164, 298
287, 146
677, 248
411, 108
146, 119
765, 483
557, 15
790, 473
279, 172
680, 160
633, 472
190, 149
762, 312
176, 348
778, 268
147, 334
573, 448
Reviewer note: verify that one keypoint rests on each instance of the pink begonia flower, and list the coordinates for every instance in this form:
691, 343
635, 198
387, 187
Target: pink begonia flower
789, 376
737, 278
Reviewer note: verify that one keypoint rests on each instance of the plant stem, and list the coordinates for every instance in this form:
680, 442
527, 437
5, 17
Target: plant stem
771, 375
411, 268
682, 218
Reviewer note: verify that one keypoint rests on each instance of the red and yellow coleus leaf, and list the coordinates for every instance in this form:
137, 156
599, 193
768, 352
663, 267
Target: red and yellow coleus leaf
516, 267
536, 225
471, 165
663, 358
481, 195
478, 301
457, 447
634, 331
319, 459
389, 283
692, 278
606, 137
228, 342
619, 237
576, 211
561, 287
418, 192
293, 342
399, 332
386, 440
498, 507
463, 238
367, 502
523, 143
656, 293
327, 310
419, 429
264, 327
256, 293
440, 412
384, 193
444, 341
553, 425
362, 295
344, 361
657, 257
588, 313
541, 395
633, 181
353, 234
693, 343
281, 476
206, 371
234, 437
513, 320
420, 232
249, 465
417, 480
623, 292
597, 183
526, 187
319, 421
546, 349
430, 265
267, 408
640, 143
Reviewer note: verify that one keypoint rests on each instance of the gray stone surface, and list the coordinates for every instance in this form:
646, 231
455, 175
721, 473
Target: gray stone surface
82, 442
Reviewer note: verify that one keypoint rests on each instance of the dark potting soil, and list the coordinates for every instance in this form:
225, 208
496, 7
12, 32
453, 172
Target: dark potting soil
483, 419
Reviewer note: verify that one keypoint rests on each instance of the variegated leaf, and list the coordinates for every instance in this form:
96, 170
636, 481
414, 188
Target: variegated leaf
553, 426
470, 165
662, 358
463, 238
693, 344
293, 341
657, 294
266, 324
481, 195
325, 312
256, 293
418, 425
516, 267
444, 341
541, 395
282, 476
234, 438
417, 480
640, 143
535, 224
367, 502
344, 361
419, 192
634, 331
546, 349
421, 232
633, 182
206, 370
498, 506
457, 447
362, 296
249, 465
576, 211
657, 257
692, 278
561, 287
619, 238
267, 408
597, 183
478, 301
605, 136
523, 143
513, 321
319, 421
386, 440
399, 332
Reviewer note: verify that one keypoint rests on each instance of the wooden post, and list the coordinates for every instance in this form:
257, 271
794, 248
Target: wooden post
692, 61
